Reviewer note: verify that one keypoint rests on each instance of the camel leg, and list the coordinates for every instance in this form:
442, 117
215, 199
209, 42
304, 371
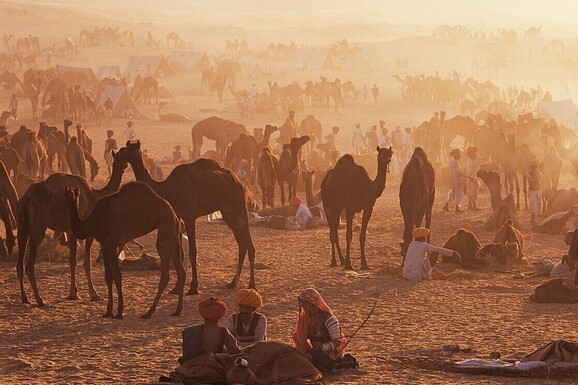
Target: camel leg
240, 227
348, 237
5, 217
88, 270
165, 277
72, 263
525, 190
108, 255
117, 278
365, 220
333, 222
190, 226
282, 189
23, 236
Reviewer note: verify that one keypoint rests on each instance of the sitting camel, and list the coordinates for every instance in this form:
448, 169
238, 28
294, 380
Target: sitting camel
506, 211
348, 187
43, 206
508, 233
118, 218
288, 167
504, 252
466, 244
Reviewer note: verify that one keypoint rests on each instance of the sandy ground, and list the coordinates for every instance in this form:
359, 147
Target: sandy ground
69, 342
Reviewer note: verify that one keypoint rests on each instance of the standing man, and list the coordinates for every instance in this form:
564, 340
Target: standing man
248, 326
358, 139
456, 190
14, 106
375, 92
109, 145
129, 132
534, 177
108, 104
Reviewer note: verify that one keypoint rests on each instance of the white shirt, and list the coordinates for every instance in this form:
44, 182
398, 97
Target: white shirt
13, 103
405, 140
455, 174
130, 133
302, 216
260, 329
472, 167
358, 137
416, 266
560, 270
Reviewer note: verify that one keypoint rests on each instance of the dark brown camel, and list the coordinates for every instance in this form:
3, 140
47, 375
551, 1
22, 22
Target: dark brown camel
466, 244
267, 175
11, 160
8, 206
43, 206
459, 125
312, 200
220, 130
288, 167
416, 195
246, 147
118, 218
348, 187
197, 189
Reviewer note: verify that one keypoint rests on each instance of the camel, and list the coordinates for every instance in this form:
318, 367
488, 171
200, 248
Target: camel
533, 32
492, 180
176, 39
217, 84
8, 206
555, 45
142, 87
416, 195
75, 158
54, 142
348, 187
33, 157
246, 147
220, 130
197, 189
311, 127
43, 206
311, 199
458, 125
551, 166
467, 245
11, 160
172, 117
288, 167
561, 200
4, 117
506, 211
267, 175
115, 220
509, 233
19, 138
504, 252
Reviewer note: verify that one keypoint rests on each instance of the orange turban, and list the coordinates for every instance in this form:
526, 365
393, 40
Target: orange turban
249, 297
212, 308
295, 201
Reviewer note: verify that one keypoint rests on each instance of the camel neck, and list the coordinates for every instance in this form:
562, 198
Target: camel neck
380, 178
113, 183
142, 175
309, 193
76, 224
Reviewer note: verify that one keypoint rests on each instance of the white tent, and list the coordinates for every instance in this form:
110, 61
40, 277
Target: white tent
121, 101
108, 72
564, 112
189, 60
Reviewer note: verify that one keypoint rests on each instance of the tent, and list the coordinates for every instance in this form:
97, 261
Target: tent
121, 100
108, 72
189, 60
564, 112
311, 59
91, 77
147, 66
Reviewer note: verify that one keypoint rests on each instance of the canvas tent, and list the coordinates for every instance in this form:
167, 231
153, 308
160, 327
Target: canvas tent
311, 59
147, 66
189, 60
91, 77
564, 112
108, 72
121, 101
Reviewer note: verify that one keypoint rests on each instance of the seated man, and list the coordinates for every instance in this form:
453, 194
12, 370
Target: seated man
248, 326
208, 337
303, 216
177, 155
418, 265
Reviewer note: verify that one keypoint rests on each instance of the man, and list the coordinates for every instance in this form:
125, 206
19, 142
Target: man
109, 145
208, 337
248, 326
456, 186
129, 132
108, 105
534, 177
375, 92
303, 216
418, 266
330, 138
358, 140
371, 140
14, 106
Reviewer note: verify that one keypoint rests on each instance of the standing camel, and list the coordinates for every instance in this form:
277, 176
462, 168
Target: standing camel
288, 167
8, 205
119, 218
43, 206
267, 175
348, 187
220, 130
197, 189
416, 195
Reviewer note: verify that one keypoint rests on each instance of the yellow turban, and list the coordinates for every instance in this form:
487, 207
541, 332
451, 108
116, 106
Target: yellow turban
249, 297
420, 232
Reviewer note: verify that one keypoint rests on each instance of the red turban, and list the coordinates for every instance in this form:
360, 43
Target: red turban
295, 201
212, 308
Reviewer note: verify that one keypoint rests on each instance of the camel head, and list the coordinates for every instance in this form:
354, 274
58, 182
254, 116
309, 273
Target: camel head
384, 155
297, 143
131, 153
119, 158
269, 129
67, 123
510, 251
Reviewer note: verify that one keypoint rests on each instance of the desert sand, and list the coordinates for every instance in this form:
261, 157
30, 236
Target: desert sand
488, 311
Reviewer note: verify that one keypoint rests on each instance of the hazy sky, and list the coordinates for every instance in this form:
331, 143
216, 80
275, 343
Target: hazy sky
557, 14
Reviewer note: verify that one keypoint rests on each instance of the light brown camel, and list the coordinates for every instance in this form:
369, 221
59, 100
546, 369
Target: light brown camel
176, 39
8, 206
508, 233
506, 211
217, 84
492, 180
43, 206
267, 175
34, 157
115, 220
288, 167
416, 195
246, 147
348, 187
220, 130
75, 158
11, 160
458, 125
197, 189
312, 128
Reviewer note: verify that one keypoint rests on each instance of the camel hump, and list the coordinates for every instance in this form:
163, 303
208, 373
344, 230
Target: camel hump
206, 163
345, 160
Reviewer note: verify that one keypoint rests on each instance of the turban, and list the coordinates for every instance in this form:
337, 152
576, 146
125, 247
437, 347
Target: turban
471, 151
249, 297
295, 201
420, 232
212, 308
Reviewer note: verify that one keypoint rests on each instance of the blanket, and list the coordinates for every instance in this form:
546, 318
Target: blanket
272, 362
559, 353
